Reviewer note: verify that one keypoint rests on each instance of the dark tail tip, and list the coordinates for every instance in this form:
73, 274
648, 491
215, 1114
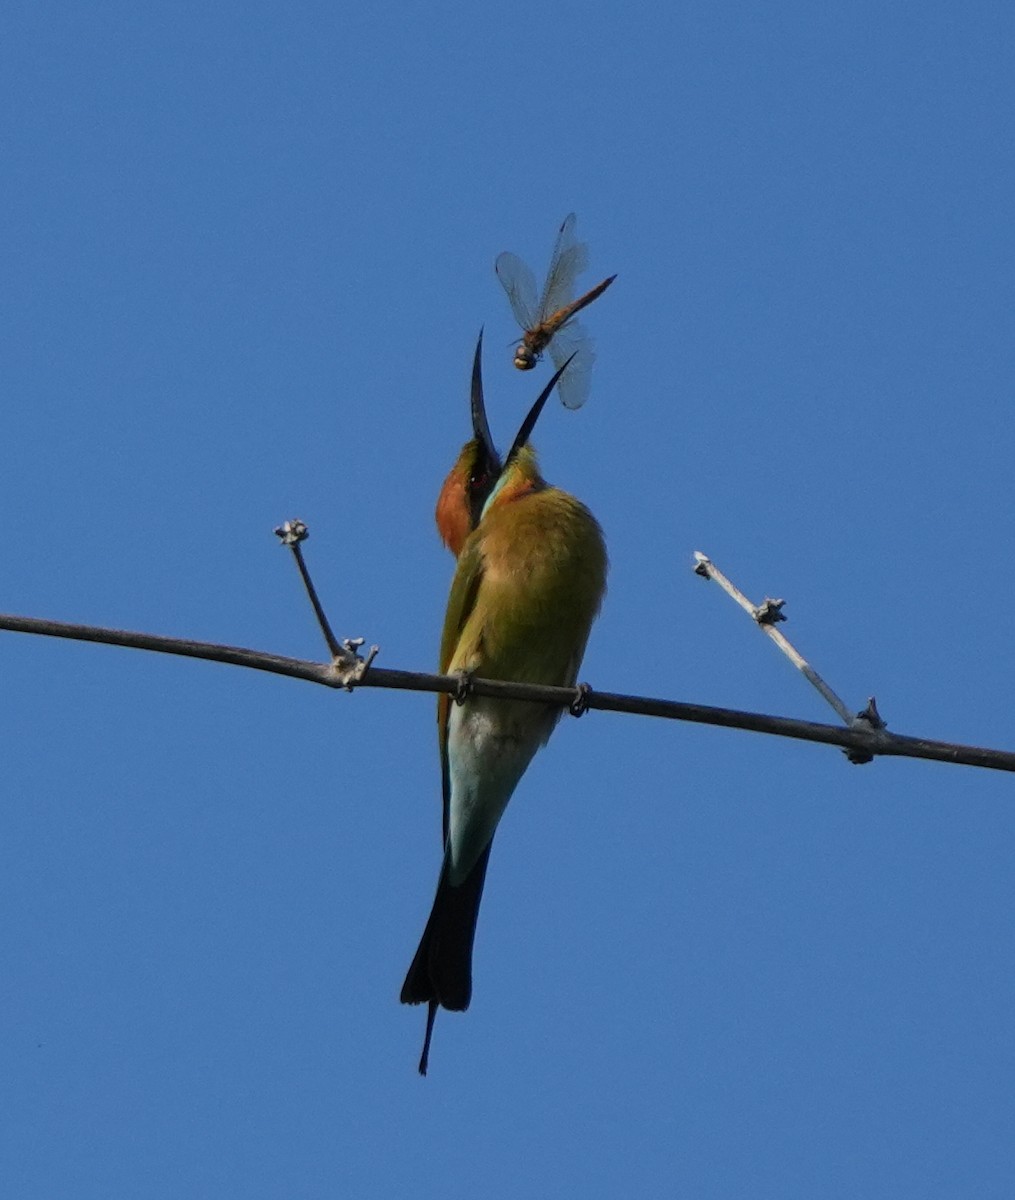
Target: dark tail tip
424, 1058
441, 971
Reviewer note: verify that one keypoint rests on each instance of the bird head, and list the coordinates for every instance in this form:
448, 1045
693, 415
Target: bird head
474, 474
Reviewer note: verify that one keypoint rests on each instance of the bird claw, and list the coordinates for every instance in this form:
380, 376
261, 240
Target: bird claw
464, 688
579, 706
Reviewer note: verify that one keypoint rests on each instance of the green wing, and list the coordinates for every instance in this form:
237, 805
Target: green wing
461, 602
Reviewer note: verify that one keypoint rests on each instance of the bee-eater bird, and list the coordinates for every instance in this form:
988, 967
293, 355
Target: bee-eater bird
471, 479
529, 583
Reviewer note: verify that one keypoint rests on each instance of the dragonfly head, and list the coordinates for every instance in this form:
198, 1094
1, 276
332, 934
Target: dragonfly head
525, 360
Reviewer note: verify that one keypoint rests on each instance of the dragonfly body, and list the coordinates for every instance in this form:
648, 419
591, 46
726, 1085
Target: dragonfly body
548, 319
535, 341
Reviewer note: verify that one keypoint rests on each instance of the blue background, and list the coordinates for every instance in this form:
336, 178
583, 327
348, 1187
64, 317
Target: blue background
246, 252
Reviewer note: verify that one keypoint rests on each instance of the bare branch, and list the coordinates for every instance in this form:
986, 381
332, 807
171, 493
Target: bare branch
291, 534
346, 664
863, 737
766, 615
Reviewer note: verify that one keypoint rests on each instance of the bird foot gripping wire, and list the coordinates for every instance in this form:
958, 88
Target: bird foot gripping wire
579, 706
464, 689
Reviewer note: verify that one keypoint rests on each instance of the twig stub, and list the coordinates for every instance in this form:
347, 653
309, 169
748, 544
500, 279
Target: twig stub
870, 721
291, 533
348, 667
769, 611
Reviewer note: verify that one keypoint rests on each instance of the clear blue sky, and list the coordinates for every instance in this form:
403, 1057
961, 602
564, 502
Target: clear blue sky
246, 252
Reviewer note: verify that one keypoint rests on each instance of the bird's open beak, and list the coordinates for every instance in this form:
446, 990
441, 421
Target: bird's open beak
527, 426
480, 425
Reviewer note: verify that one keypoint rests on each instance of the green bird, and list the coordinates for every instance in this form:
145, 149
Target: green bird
528, 586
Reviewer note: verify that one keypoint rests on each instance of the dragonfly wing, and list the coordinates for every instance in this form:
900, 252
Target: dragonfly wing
576, 381
570, 257
520, 285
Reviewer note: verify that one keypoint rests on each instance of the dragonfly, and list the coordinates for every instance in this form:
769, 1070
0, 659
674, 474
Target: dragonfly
548, 321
